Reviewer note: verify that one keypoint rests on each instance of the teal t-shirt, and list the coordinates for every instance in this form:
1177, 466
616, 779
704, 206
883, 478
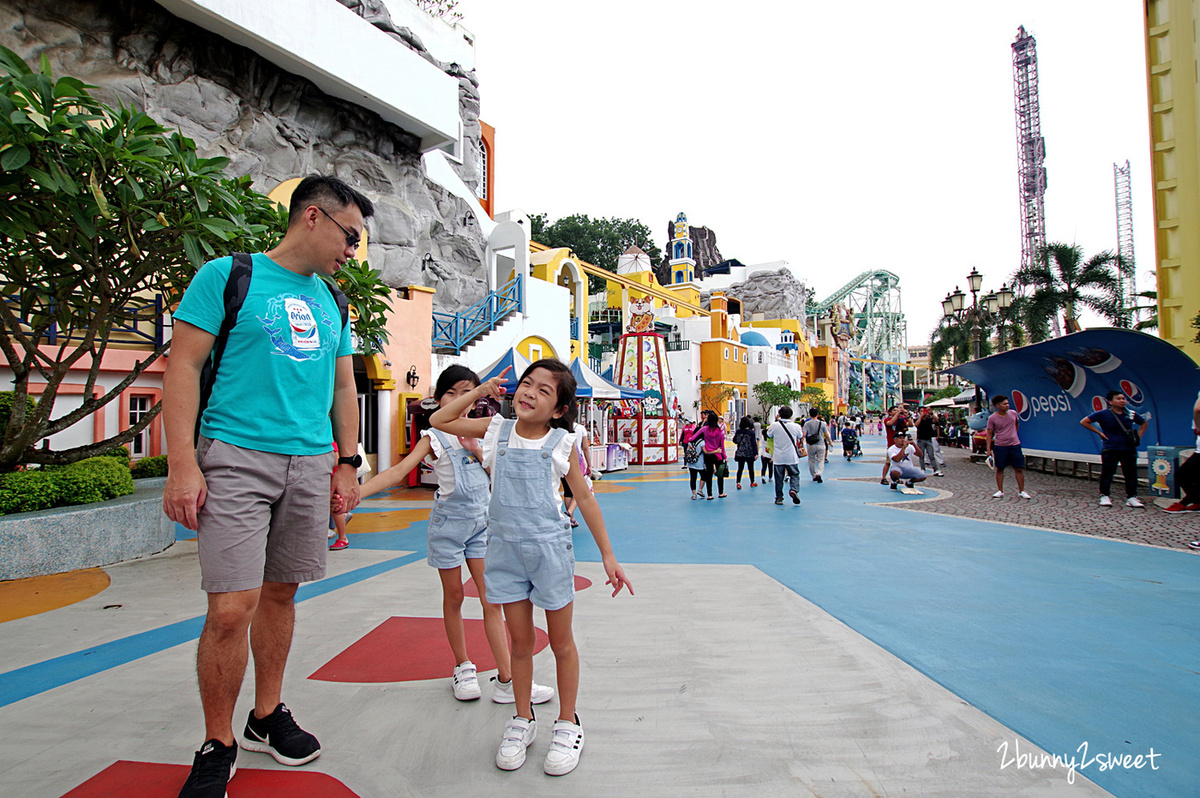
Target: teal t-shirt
274, 387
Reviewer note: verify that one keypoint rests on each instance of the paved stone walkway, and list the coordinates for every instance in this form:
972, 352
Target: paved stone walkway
1060, 503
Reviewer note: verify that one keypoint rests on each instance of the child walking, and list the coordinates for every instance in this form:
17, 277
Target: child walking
457, 534
747, 449
530, 557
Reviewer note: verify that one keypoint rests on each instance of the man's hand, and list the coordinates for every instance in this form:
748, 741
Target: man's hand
184, 495
344, 485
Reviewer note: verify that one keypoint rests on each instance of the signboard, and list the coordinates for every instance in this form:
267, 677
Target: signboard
1055, 384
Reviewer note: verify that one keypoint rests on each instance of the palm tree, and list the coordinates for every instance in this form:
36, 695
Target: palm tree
951, 341
1061, 281
1150, 310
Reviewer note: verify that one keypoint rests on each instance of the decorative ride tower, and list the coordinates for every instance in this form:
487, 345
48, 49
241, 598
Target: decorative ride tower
1031, 148
1124, 192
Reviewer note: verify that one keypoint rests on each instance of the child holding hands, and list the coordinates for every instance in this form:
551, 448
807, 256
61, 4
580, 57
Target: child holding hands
458, 534
530, 558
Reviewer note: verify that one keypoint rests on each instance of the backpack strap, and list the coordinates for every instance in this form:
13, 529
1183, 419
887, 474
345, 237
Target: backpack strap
343, 304
237, 287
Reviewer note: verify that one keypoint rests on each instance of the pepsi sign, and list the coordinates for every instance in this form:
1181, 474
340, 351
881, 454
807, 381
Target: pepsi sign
1054, 384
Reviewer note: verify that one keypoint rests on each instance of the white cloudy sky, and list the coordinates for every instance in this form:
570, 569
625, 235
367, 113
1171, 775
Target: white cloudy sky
840, 137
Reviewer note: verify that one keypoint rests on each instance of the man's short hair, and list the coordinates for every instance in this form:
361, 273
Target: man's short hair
328, 192
785, 412
998, 399
813, 412
1108, 397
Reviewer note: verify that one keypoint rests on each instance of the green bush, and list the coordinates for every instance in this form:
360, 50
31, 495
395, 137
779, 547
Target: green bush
6, 402
118, 453
93, 480
149, 467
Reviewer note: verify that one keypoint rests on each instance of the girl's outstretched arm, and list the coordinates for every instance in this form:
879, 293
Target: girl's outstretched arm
590, 509
391, 477
450, 418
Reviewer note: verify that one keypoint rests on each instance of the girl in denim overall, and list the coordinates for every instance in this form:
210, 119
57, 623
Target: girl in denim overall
530, 555
458, 534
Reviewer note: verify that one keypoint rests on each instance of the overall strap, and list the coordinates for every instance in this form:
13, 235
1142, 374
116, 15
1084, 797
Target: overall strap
552, 441
442, 438
506, 428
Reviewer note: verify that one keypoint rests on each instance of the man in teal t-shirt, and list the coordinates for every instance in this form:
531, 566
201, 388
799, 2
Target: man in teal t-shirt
257, 485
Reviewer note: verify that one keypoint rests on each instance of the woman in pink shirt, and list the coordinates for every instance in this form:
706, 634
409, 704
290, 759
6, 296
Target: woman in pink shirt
714, 453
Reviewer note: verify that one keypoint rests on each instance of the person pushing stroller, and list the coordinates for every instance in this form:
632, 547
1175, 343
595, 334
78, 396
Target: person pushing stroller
850, 445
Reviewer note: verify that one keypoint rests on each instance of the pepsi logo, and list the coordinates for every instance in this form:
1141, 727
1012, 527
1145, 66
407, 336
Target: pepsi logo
1020, 405
1098, 404
1133, 392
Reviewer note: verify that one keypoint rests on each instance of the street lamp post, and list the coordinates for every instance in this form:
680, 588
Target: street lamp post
977, 315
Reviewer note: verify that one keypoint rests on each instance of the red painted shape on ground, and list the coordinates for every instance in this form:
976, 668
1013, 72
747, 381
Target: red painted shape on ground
581, 583
158, 780
409, 650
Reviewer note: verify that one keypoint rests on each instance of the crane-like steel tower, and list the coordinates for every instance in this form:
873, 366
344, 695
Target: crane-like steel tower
1031, 148
1128, 278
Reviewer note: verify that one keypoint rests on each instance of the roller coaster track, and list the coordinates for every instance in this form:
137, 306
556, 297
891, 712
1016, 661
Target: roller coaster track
873, 298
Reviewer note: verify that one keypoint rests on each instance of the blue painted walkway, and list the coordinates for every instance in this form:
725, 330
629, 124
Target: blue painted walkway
1066, 640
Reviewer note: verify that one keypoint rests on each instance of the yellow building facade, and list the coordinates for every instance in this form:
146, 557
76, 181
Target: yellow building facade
723, 362
1174, 96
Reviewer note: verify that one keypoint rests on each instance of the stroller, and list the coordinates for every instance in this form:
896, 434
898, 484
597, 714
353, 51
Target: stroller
850, 446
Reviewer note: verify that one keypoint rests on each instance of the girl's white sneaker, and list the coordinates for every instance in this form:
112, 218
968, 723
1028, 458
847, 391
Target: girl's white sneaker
518, 735
566, 744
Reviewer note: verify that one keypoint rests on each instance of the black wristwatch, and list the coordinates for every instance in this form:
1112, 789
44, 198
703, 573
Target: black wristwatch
355, 461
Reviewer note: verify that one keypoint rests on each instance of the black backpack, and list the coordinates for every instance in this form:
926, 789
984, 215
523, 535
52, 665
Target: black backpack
237, 288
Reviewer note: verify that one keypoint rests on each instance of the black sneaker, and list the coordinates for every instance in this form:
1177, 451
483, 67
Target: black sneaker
212, 769
795, 496
278, 735
779, 501
894, 485
908, 483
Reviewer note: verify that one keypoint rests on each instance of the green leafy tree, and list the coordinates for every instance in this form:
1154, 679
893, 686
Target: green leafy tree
106, 217
772, 395
1061, 281
1145, 316
598, 241
816, 397
445, 9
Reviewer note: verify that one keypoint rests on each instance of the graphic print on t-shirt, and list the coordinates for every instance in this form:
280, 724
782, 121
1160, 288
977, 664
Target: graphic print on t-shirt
293, 324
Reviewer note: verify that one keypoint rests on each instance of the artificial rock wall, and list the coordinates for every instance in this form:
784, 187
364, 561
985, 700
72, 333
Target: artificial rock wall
775, 294
272, 125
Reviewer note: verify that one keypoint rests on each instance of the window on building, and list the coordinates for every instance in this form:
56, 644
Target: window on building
726, 353
481, 165
139, 408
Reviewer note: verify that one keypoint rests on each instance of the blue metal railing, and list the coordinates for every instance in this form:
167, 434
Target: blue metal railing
456, 330
143, 320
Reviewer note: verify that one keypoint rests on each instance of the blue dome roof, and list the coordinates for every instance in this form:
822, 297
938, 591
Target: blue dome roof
751, 338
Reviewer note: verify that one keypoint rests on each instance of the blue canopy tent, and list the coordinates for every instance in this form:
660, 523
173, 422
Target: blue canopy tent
512, 358
592, 386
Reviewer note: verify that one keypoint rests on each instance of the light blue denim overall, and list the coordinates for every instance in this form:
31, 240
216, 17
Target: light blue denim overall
529, 554
458, 523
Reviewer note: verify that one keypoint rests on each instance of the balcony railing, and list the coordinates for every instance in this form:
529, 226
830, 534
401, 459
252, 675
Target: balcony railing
574, 328
455, 331
677, 346
141, 321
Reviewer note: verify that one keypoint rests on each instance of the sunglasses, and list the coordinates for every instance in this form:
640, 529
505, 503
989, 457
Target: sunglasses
352, 239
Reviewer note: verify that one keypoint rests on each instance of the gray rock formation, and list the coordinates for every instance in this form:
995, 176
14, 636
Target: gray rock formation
775, 294
704, 252
272, 125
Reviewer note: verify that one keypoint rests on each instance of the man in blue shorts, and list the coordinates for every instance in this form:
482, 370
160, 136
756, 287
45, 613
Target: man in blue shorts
256, 485
1004, 447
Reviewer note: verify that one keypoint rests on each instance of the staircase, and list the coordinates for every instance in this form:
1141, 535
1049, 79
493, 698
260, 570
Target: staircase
454, 332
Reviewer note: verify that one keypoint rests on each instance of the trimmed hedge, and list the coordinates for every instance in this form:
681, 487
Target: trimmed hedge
149, 467
93, 480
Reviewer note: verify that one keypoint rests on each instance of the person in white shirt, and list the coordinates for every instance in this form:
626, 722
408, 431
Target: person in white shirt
788, 439
901, 464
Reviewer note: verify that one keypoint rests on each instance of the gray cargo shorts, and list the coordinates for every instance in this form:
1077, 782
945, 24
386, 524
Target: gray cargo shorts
264, 518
